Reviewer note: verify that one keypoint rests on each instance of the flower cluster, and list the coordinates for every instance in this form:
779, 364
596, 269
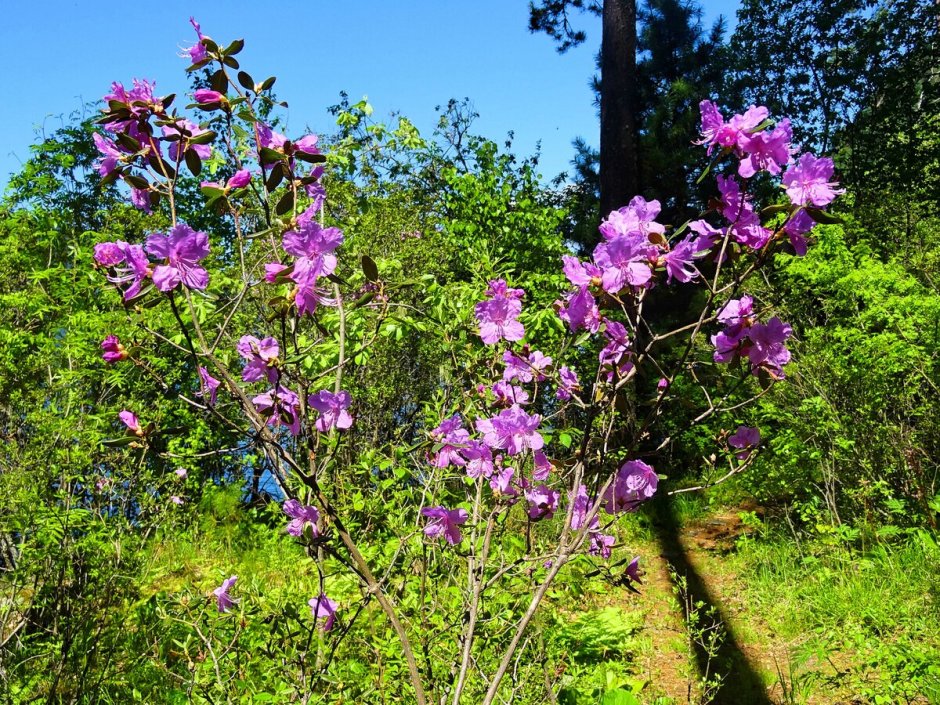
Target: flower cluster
743, 336
498, 313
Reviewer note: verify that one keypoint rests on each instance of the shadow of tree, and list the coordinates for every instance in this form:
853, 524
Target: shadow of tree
742, 684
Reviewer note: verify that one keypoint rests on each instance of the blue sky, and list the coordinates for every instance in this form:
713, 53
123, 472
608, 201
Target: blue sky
405, 55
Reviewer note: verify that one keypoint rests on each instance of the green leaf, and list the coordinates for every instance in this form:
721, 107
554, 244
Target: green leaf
193, 162
235, 47
370, 269
286, 203
246, 81
822, 217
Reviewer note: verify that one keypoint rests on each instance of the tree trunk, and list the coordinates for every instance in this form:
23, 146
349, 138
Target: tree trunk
618, 167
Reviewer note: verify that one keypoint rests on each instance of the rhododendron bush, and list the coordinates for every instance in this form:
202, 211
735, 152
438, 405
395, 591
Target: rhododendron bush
539, 437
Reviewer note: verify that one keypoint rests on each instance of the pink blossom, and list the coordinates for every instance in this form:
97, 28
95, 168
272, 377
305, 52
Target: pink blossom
208, 386
222, 597
280, 406
324, 608
444, 522
182, 248
634, 483
808, 182
746, 438
332, 408
512, 430
301, 516
262, 357
497, 314
113, 350
543, 501
130, 420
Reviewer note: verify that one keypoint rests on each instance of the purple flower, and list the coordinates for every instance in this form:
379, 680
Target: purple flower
679, 261
707, 238
113, 350
767, 349
636, 220
272, 270
543, 502
324, 608
808, 182
516, 368
601, 544
452, 436
543, 466
141, 200
280, 406
444, 521
261, 356
581, 273
313, 246
508, 394
581, 310
662, 384
182, 248
332, 408
767, 150
479, 459
208, 386
136, 269
497, 314
204, 96
568, 383
635, 483
633, 571
501, 482
178, 135
240, 179
512, 430
625, 260
181, 473
222, 598
746, 438
197, 52
301, 515
728, 135
176, 500
796, 229
130, 420
579, 508
615, 355
111, 156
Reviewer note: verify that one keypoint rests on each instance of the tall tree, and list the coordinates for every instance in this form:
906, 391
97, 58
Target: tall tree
619, 173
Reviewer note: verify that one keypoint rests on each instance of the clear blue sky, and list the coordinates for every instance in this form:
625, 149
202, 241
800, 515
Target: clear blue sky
405, 55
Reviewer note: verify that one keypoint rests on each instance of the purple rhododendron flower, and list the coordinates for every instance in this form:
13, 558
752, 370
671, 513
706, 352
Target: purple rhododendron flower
313, 247
767, 346
508, 394
280, 406
497, 314
240, 179
516, 368
624, 260
301, 515
444, 522
633, 571
272, 270
135, 271
324, 608
501, 482
141, 200
479, 459
222, 597
130, 420
197, 52
208, 386
767, 150
452, 436
738, 209
636, 220
111, 155
543, 501
581, 310
808, 182
181, 473
180, 132
796, 229
261, 356
746, 438
601, 544
543, 466
635, 483
728, 135
679, 259
581, 273
615, 355
512, 430
113, 350
205, 96
332, 408
176, 499
579, 508
568, 383
182, 248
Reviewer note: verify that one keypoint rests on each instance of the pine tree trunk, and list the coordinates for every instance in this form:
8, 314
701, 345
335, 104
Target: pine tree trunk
618, 167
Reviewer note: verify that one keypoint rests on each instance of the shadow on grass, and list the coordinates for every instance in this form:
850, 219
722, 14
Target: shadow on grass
742, 684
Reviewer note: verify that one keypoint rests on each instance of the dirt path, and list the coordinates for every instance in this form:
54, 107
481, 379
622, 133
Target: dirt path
749, 653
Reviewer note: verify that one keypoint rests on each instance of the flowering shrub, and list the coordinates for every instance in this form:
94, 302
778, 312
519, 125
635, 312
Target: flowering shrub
526, 462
